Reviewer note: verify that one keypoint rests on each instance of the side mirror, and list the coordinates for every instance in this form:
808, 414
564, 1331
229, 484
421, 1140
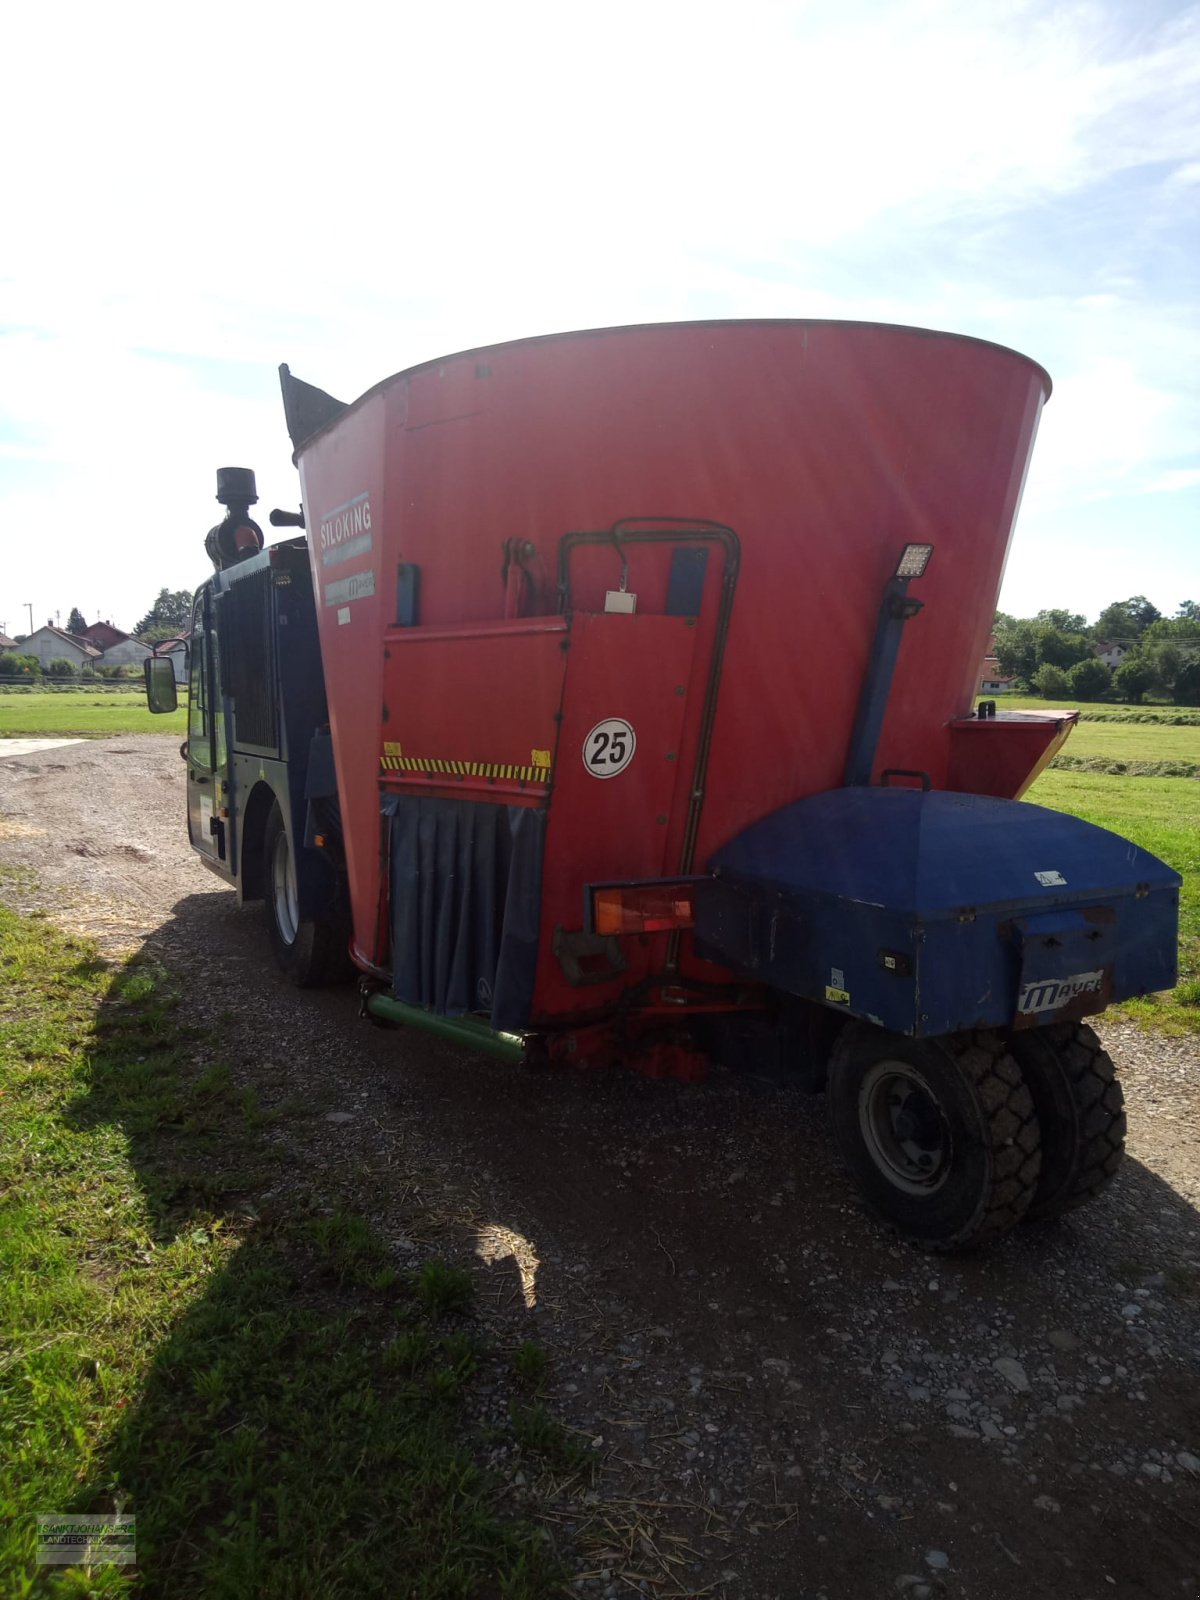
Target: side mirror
160, 683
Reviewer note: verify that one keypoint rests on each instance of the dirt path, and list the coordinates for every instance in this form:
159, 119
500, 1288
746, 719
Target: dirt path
816, 1410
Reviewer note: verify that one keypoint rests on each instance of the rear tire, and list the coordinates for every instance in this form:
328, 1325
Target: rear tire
310, 951
939, 1134
1081, 1112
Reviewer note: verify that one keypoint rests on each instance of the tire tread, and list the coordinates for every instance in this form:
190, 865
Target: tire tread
1012, 1136
1095, 1143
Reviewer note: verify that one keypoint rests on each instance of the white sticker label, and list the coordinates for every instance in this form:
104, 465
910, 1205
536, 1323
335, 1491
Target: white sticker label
345, 531
1049, 880
1048, 994
609, 748
343, 615
358, 586
837, 977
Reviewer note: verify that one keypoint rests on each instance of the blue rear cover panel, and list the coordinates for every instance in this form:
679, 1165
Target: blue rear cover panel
934, 912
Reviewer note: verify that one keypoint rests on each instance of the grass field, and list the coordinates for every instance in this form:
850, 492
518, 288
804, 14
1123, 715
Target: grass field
285, 1413
89, 716
1135, 741
1163, 816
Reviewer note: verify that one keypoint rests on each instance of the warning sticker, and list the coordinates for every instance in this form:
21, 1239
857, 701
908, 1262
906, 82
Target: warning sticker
838, 997
609, 748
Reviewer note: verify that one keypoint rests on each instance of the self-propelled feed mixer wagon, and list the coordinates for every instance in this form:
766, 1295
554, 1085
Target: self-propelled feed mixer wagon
617, 704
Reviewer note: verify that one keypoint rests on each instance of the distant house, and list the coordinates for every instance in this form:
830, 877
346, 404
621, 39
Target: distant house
103, 635
177, 649
118, 649
1112, 652
56, 644
991, 679
101, 645
8, 644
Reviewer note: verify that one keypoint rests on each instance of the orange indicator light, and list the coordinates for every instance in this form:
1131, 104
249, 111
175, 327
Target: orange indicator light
643, 908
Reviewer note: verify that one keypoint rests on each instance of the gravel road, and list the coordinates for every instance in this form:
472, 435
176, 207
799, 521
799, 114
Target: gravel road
787, 1402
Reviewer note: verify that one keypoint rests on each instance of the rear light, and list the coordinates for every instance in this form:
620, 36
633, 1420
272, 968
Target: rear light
643, 908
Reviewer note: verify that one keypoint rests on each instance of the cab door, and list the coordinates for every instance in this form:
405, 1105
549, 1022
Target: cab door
206, 753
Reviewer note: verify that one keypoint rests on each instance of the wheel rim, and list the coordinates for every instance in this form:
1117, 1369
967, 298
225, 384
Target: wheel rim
283, 890
904, 1127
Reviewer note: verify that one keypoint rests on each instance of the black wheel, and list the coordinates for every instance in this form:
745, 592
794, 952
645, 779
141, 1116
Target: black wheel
1081, 1112
939, 1134
310, 951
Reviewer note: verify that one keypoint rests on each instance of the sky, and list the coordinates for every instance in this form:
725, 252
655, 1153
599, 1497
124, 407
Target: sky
193, 195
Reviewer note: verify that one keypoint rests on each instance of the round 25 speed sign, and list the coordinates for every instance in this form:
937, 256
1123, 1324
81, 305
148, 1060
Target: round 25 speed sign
609, 748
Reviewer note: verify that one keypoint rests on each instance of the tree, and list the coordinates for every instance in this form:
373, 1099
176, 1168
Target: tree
1063, 649
1189, 610
158, 633
15, 665
1133, 677
1064, 621
1051, 682
1017, 650
1126, 619
1183, 631
76, 622
1187, 684
172, 610
1090, 680
1165, 660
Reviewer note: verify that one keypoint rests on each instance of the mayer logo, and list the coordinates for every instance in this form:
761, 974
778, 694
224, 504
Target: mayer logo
1048, 994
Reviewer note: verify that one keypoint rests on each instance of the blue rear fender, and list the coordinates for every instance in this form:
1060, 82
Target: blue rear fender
932, 913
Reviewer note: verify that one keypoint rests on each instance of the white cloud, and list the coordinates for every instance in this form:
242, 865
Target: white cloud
359, 189
1174, 482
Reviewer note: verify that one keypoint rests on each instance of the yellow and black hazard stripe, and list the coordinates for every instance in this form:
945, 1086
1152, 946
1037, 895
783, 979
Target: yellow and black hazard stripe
466, 769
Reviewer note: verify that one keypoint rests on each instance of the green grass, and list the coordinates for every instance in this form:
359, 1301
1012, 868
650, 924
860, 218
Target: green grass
1101, 745
540, 1435
530, 1363
1163, 816
286, 1414
45, 714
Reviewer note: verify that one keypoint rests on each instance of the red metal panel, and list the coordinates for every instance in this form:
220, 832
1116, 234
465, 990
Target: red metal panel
342, 481
473, 711
1003, 755
632, 669
826, 446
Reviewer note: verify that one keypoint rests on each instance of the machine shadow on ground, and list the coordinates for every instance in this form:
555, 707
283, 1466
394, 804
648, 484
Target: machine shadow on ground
281, 1445
309, 1421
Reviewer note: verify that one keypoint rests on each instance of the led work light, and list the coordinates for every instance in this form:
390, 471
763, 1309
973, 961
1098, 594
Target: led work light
913, 560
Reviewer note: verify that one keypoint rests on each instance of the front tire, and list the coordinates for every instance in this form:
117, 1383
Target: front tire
1081, 1112
939, 1134
310, 951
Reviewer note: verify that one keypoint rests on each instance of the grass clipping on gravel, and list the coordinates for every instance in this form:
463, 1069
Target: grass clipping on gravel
284, 1412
